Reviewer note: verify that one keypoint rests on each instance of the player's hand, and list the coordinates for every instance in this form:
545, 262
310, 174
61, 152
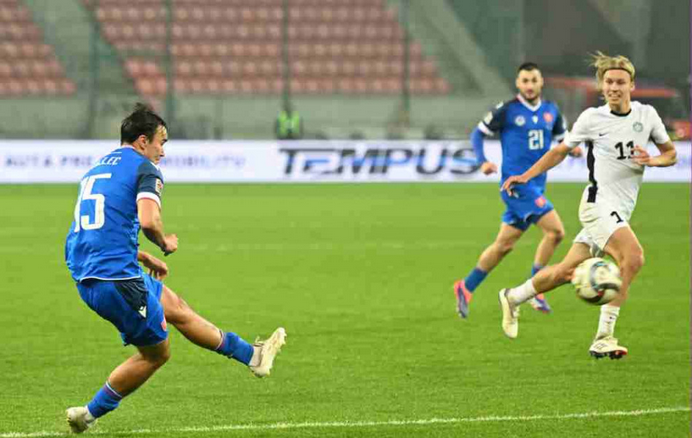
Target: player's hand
512, 181
641, 156
576, 152
488, 168
157, 268
170, 244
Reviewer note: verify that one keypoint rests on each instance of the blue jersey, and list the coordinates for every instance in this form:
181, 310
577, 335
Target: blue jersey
102, 243
526, 132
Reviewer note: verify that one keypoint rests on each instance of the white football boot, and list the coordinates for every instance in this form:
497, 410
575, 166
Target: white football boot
77, 419
607, 346
268, 349
510, 316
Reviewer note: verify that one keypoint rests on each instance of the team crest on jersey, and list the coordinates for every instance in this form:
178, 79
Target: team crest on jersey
159, 186
547, 117
638, 127
520, 120
535, 119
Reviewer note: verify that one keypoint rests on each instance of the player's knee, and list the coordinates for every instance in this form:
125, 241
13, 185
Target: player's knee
157, 358
504, 248
160, 359
164, 357
633, 261
178, 311
557, 236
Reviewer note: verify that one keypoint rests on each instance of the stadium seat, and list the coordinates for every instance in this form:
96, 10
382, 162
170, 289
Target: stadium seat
27, 64
235, 46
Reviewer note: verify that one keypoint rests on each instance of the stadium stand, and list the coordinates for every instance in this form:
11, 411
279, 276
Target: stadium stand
234, 46
28, 65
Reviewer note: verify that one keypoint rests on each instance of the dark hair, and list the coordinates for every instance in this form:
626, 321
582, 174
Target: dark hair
142, 121
528, 66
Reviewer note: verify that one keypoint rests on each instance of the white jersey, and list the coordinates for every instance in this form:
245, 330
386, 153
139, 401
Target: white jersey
610, 139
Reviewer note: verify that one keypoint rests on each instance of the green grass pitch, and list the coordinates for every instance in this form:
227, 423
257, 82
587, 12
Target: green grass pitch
361, 277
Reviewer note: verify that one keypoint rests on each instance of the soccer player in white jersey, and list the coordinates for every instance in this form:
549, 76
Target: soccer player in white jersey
615, 135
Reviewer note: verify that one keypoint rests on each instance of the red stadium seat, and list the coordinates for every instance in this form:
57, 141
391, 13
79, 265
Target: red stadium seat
235, 46
26, 62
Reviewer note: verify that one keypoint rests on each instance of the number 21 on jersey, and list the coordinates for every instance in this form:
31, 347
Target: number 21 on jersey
535, 139
86, 193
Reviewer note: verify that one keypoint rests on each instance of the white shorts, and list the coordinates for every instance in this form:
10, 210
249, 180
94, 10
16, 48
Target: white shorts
599, 221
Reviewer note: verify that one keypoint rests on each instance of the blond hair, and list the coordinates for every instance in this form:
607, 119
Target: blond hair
603, 63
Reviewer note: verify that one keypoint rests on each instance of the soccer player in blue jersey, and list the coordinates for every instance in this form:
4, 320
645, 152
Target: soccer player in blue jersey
118, 196
527, 125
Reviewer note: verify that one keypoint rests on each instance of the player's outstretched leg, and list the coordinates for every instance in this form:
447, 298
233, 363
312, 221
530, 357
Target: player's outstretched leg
553, 233
258, 357
545, 280
489, 259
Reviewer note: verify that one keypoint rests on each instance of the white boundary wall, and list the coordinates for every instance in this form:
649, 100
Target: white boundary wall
296, 161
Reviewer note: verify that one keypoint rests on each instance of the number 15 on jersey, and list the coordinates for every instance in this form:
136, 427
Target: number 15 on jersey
86, 193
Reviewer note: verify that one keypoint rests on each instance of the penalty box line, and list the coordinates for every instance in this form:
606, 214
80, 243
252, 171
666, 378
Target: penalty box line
356, 424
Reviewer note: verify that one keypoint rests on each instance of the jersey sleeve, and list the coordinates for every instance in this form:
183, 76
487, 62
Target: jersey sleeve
494, 121
659, 133
580, 132
560, 127
149, 182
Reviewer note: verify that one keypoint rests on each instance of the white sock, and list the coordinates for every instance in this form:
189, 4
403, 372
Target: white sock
256, 357
606, 323
525, 292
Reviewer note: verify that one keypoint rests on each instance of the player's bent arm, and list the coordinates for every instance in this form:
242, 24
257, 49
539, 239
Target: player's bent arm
143, 256
477, 138
149, 215
668, 156
551, 159
156, 267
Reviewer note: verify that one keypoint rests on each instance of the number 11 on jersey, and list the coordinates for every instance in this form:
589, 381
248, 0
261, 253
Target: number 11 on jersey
86, 194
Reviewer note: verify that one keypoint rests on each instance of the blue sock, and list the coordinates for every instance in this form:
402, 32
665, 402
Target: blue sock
104, 401
535, 268
474, 279
233, 346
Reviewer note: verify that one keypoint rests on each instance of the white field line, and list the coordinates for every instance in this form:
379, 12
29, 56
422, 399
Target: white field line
357, 424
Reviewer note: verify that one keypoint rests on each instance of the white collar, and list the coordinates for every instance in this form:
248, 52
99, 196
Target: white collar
527, 104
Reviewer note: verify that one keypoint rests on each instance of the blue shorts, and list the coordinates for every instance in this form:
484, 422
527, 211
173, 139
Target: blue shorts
527, 208
132, 306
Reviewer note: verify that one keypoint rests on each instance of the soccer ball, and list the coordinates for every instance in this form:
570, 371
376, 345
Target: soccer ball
597, 281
